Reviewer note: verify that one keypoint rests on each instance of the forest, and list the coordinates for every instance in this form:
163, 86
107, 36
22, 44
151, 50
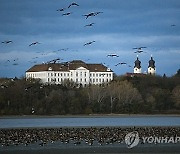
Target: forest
124, 95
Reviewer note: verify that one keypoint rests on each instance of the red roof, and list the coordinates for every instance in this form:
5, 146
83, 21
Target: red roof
73, 65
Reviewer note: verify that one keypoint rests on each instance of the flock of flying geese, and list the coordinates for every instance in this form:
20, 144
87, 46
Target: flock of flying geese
88, 15
91, 14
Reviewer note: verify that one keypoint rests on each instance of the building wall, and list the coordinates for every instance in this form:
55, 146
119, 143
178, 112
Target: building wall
151, 70
37, 75
79, 76
137, 70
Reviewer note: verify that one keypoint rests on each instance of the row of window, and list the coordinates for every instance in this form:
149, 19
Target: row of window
100, 75
59, 74
97, 80
36, 75
81, 74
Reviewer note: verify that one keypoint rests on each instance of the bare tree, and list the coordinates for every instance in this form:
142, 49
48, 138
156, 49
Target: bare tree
112, 92
96, 93
127, 94
176, 96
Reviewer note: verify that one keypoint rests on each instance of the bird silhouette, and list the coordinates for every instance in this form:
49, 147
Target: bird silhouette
66, 14
121, 63
139, 51
62, 9
112, 55
92, 14
54, 60
139, 48
88, 43
73, 4
34, 43
89, 15
7, 42
64, 49
89, 25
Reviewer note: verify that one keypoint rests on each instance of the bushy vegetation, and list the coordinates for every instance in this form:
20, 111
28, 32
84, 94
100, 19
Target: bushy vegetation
142, 95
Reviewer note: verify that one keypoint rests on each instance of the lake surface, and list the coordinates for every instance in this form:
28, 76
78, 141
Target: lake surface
88, 121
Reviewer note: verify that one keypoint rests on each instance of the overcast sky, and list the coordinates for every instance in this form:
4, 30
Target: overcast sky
123, 25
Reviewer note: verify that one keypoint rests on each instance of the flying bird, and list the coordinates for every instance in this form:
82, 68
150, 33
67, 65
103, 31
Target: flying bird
66, 14
89, 15
34, 43
89, 25
112, 55
7, 42
54, 60
92, 14
139, 48
139, 51
64, 49
121, 63
88, 43
62, 9
73, 4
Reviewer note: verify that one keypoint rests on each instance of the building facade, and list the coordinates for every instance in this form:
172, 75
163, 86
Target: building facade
76, 71
151, 67
138, 71
137, 66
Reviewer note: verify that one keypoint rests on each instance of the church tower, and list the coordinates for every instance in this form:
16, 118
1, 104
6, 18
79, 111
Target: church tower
151, 67
137, 66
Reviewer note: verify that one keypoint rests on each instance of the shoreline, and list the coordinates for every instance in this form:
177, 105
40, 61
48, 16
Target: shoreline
96, 149
89, 116
81, 127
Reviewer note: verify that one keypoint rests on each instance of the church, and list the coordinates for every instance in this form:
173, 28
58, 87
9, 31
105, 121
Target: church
138, 70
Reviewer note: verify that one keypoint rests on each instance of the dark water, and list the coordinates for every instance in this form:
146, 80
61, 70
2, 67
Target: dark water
15, 122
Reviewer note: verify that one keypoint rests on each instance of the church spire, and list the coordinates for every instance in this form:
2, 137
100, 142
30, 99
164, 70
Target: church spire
137, 66
151, 67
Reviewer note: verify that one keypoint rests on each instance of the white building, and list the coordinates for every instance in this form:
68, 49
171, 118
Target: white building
137, 66
76, 71
151, 67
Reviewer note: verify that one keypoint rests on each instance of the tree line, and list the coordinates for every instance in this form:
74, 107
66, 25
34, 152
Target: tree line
124, 95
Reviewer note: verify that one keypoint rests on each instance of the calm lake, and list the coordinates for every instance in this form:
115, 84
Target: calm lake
88, 121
